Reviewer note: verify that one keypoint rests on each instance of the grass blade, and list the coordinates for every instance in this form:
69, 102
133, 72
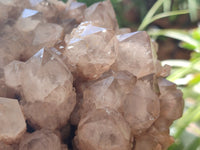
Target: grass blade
167, 14
175, 34
150, 14
193, 6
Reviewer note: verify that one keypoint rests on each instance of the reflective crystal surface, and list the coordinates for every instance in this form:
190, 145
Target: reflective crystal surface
135, 54
90, 50
29, 20
12, 123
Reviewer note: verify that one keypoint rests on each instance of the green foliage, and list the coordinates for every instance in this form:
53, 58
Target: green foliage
186, 74
152, 16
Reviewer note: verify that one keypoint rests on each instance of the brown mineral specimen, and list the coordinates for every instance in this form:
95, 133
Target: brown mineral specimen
109, 91
75, 73
135, 54
103, 129
12, 123
141, 107
47, 90
90, 50
40, 140
102, 13
171, 100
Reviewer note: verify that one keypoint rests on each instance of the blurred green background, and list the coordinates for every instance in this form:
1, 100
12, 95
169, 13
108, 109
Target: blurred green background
175, 25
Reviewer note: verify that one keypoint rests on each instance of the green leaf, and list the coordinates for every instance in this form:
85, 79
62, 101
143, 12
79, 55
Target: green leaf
187, 46
195, 80
167, 14
196, 34
167, 5
150, 14
176, 34
191, 115
194, 145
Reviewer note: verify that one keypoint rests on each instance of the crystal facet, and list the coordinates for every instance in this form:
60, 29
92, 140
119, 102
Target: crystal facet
91, 50
134, 47
12, 124
114, 133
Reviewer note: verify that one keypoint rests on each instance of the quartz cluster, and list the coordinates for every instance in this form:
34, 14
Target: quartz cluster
70, 78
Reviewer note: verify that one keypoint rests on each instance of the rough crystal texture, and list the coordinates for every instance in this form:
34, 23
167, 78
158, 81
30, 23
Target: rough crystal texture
141, 107
12, 124
170, 99
103, 14
154, 139
47, 88
163, 138
40, 140
109, 91
103, 129
135, 54
90, 50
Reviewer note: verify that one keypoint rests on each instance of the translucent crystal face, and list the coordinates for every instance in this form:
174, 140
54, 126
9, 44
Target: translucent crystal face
46, 74
91, 49
134, 47
102, 14
12, 120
